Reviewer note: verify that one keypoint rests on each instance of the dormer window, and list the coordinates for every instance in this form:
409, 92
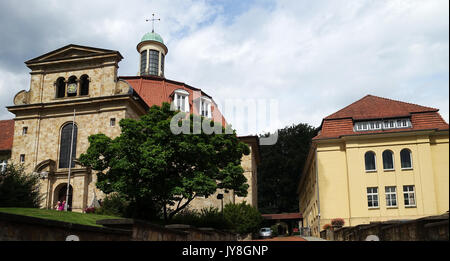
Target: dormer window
205, 107
181, 100
382, 124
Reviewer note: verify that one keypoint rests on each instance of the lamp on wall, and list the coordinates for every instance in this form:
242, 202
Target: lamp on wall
220, 196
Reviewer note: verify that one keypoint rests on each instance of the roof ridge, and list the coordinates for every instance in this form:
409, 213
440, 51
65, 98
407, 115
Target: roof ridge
409, 107
414, 104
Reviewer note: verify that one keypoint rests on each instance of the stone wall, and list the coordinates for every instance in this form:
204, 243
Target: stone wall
431, 228
23, 228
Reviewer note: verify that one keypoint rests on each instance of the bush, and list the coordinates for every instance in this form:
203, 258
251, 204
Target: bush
274, 229
242, 218
90, 210
113, 205
337, 222
327, 226
207, 217
18, 189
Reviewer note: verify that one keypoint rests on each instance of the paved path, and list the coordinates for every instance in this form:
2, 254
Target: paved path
292, 238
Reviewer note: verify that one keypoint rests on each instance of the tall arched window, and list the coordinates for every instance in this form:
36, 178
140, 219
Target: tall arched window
388, 160
72, 87
405, 158
370, 161
60, 87
64, 151
84, 84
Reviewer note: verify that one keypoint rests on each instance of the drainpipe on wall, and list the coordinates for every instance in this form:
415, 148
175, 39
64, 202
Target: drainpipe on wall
317, 184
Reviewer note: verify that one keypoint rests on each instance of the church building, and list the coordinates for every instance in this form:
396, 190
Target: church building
82, 83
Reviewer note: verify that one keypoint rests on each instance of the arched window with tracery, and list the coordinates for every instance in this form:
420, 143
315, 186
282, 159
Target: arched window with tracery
64, 149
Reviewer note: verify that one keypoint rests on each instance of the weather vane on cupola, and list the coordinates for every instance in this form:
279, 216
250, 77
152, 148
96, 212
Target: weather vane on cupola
152, 51
153, 22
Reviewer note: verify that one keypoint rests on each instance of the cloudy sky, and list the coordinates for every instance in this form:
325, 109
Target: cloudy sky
311, 57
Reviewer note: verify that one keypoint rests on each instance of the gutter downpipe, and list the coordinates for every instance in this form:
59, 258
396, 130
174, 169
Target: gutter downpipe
317, 184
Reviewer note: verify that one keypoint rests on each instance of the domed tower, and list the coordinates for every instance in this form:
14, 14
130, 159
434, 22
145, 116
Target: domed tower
153, 51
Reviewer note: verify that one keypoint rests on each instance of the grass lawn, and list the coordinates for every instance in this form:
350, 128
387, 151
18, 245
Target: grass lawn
71, 217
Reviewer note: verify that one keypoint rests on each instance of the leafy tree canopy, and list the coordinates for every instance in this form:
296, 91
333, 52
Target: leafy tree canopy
243, 218
18, 189
281, 167
154, 168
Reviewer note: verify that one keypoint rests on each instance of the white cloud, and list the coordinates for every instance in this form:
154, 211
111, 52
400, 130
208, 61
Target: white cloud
315, 57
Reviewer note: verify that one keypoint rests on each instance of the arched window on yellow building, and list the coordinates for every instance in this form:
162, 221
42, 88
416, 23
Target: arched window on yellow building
370, 161
406, 159
388, 160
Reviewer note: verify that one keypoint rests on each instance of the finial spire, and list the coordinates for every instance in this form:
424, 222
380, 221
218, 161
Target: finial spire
153, 22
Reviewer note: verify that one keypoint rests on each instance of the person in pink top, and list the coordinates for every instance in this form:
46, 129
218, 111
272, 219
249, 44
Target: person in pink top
61, 207
58, 205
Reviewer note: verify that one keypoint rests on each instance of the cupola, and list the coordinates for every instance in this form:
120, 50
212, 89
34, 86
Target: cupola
153, 52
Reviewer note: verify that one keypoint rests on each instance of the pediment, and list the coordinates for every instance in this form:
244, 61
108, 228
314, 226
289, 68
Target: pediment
69, 52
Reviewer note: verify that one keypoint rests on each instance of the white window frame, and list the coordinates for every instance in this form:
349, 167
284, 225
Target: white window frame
373, 194
112, 122
3, 165
390, 196
382, 124
393, 160
406, 195
178, 98
205, 105
410, 158
375, 157
22, 158
24, 130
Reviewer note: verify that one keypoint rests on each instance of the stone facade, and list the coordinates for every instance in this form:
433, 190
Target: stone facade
43, 111
44, 115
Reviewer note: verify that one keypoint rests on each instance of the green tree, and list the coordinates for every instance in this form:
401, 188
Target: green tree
18, 189
158, 171
281, 167
242, 217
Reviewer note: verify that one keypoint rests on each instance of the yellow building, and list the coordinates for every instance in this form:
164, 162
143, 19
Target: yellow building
376, 160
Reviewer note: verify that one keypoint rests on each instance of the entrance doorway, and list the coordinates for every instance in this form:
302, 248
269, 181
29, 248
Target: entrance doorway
60, 195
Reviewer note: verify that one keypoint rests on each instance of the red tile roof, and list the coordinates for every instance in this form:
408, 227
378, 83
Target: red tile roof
156, 90
6, 135
372, 107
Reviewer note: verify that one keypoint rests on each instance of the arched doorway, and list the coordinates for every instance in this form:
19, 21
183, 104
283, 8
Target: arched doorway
60, 194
